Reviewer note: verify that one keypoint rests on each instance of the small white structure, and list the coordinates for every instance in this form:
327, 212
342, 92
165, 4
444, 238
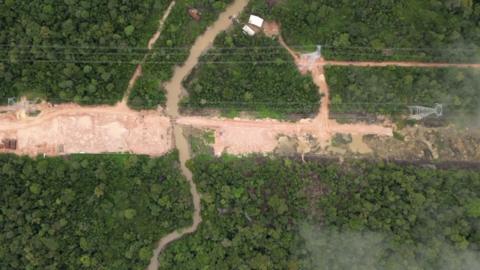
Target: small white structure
248, 30
256, 21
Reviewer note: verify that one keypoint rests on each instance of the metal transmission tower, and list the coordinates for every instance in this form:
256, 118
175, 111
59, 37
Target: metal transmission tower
11, 101
311, 58
421, 112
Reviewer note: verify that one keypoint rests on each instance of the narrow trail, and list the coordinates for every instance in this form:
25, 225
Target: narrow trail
294, 54
141, 131
161, 23
174, 90
151, 43
151, 133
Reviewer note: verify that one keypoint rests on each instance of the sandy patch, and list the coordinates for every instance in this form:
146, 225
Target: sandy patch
71, 129
359, 146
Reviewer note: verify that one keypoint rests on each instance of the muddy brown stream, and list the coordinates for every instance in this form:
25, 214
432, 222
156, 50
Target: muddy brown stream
174, 89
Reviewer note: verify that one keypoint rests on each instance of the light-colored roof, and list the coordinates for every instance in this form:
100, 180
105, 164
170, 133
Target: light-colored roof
248, 30
256, 21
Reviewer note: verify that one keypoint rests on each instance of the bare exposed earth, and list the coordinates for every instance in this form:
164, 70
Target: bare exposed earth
400, 64
240, 136
271, 29
67, 129
71, 129
423, 143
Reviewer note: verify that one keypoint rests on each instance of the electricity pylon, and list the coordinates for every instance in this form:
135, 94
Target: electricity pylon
421, 112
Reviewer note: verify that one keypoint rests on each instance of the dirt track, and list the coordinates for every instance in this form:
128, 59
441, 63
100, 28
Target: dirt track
77, 129
161, 23
399, 64
70, 128
240, 136
151, 43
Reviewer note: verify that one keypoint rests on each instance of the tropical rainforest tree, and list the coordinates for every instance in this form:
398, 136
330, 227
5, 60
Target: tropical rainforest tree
88, 211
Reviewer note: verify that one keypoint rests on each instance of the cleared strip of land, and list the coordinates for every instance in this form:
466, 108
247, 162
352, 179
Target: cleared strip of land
399, 64
68, 129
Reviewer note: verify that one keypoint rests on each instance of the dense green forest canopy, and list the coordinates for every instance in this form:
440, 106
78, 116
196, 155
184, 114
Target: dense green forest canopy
274, 213
82, 51
88, 211
390, 90
406, 217
250, 73
427, 30
172, 48
85, 51
250, 210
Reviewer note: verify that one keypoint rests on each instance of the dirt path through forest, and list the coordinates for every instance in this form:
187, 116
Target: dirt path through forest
69, 128
240, 136
161, 23
151, 43
174, 91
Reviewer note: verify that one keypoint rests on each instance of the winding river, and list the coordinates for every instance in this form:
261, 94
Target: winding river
174, 92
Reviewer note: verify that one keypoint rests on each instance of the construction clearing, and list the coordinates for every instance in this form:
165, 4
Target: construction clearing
69, 129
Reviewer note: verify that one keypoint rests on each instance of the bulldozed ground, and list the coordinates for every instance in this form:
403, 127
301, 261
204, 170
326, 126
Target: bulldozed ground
68, 129
416, 143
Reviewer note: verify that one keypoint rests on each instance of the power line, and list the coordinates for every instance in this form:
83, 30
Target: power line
207, 55
401, 48
154, 54
230, 49
145, 50
236, 47
161, 49
150, 55
149, 62
378, 104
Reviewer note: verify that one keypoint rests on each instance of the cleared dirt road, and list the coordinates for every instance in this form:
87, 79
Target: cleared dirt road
69, 128
242, 136
399, 64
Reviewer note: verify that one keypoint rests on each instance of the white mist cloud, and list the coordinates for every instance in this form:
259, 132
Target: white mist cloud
332, 250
